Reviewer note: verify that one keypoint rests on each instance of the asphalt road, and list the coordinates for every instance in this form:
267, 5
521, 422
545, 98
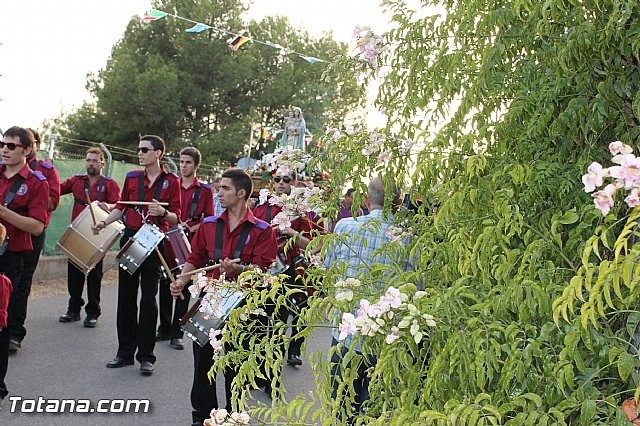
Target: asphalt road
63, 361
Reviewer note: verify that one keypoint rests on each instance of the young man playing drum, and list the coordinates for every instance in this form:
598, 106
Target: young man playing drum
258, 248
148, 187
23, 211
197, 203
107, 192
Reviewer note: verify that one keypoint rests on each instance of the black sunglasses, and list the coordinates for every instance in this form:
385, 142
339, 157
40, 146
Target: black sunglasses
9, 145
285, 179
145, 149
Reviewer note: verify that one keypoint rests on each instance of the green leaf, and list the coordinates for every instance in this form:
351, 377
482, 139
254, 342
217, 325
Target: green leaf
569, 217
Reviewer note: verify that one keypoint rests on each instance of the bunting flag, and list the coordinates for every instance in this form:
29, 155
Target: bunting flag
236, 40
198, 28
153, 15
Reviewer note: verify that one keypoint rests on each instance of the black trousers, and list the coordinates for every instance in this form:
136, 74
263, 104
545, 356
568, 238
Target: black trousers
21, 291
75, 285
169, 316
137, 332
288, 310
11, 266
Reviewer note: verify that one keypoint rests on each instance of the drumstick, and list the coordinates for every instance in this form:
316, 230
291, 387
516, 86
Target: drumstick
93, 215
143, 203
205, 269
166, 268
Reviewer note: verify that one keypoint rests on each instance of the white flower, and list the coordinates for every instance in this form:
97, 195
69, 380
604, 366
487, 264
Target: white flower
348, 326
240, 419
344, 296
219, 415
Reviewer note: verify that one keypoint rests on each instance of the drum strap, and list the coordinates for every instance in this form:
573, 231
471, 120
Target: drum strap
86, 189
242, 240
194, 202
267, 215
12, 192
156, 193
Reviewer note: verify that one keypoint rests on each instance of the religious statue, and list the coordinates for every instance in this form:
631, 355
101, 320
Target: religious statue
295, 130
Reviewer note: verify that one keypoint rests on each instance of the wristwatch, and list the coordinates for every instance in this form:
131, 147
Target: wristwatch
165, 214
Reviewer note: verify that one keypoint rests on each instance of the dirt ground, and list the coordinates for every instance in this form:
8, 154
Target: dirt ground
57, 287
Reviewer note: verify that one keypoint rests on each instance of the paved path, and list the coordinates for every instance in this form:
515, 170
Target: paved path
68, 361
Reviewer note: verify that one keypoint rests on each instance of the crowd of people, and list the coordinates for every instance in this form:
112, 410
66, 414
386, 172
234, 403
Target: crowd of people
217, 221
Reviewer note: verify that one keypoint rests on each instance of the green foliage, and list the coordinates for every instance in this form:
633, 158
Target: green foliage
192, 89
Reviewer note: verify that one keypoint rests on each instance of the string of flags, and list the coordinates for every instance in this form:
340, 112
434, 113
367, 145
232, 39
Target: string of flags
235, 41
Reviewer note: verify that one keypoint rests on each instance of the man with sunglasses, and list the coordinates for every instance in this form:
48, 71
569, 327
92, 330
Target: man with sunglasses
285, 178
23, 211
197, 203
153, 185
107, 192
30, 260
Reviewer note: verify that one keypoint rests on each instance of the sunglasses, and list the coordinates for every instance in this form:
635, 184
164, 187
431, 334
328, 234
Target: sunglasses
144, 149
285, 179
10, 145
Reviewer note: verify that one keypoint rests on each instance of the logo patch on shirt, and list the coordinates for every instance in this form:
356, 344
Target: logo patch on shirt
165, 184
22, 190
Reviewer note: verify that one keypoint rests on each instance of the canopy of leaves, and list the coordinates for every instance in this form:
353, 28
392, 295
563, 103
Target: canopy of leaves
193, 89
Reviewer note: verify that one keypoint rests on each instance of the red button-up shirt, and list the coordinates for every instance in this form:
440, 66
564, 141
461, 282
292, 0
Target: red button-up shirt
204, 208
260, 249
53, 179
31, 199
170, 193
108, 193
301, 224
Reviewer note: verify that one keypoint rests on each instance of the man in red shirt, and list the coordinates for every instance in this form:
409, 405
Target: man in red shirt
23, 211
153, 184
107, 192
300, 231
197, 203
22, 289
259, 250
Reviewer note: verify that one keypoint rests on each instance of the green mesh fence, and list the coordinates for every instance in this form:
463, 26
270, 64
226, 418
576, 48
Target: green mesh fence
61, 217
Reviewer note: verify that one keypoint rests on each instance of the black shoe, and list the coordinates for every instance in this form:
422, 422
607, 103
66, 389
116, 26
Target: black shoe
69, 317
268, 390
177, 343
146, 368
90, 321
14, 345
160, 336
294, 360
118, 362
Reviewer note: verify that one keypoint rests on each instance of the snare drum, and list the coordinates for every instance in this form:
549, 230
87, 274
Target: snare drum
81, 246
197, 327
176, 248
139, 247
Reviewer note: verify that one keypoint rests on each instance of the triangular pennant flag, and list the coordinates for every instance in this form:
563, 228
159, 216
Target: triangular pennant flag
198, 28
311, 59
153, 15
275, 45
237, 42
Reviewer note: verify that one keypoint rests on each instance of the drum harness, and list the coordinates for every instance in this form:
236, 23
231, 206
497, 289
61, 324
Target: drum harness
86, 188
217, 254
7, 200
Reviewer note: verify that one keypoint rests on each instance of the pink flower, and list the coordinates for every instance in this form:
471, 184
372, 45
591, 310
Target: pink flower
632, 199
593, 178
392, 297
603, 199
281, 220
392, 337
629, 170
618, 147
347, 326
264, 195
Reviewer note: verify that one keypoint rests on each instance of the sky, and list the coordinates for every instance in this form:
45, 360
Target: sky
48, 47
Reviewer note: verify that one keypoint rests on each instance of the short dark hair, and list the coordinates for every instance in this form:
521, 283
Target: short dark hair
97, 151
24, 135
350, 192
241, 180
192, 152
156, 142
36, 136
292, 172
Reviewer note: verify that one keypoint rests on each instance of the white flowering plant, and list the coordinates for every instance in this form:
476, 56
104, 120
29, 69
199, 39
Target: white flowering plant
221, 417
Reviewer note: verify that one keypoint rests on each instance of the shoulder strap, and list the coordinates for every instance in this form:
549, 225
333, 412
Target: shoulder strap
242, 240
100, 188
267, 215
14, 189
194, 202
156, 193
